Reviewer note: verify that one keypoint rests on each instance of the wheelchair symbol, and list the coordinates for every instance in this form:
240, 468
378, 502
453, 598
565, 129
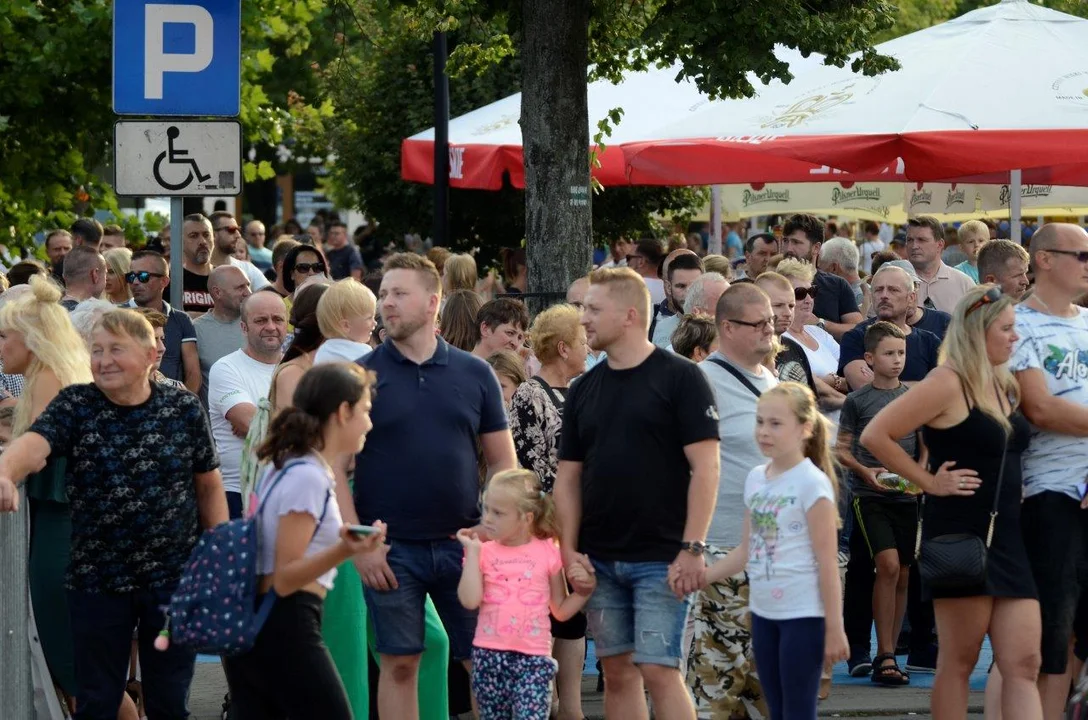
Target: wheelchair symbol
177, 157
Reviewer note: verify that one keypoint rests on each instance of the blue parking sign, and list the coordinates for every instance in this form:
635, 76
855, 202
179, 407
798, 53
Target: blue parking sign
177, 57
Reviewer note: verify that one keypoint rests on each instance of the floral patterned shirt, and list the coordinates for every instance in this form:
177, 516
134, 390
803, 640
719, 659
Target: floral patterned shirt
535, 422
129, 479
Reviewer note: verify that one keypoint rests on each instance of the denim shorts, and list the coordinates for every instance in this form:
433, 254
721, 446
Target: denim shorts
422, 568
634, 611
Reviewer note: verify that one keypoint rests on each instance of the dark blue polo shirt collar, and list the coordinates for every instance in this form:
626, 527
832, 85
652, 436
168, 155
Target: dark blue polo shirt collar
441, 353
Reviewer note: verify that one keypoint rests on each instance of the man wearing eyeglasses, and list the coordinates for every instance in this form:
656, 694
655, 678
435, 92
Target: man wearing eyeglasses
148, 278
209, 243
721, 669
1051, 363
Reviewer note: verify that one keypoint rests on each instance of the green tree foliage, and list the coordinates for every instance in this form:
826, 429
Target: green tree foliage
56, 120
383, 91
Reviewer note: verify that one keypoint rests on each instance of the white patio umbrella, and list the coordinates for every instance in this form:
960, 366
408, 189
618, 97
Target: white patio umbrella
1000, 88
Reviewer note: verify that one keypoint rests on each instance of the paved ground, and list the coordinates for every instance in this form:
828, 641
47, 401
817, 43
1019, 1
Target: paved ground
846, 701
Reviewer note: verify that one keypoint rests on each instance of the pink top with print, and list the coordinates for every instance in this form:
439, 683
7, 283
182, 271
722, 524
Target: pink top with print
514, 612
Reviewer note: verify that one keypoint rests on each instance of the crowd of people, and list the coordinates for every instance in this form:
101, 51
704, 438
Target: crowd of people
725, 471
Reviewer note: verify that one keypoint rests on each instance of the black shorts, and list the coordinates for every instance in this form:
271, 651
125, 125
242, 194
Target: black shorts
1056, 541
573, 629
888, 524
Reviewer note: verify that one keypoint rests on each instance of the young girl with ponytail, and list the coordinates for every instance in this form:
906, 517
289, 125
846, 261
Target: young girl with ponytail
790, 551
288, 673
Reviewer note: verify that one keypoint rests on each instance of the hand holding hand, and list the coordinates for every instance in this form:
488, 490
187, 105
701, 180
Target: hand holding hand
955, 482
580, 579
687, 573
576, 564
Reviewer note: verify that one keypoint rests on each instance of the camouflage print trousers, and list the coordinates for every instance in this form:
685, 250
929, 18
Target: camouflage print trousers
721, 668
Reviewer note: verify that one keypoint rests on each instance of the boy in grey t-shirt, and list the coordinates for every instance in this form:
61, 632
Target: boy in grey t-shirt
886, 514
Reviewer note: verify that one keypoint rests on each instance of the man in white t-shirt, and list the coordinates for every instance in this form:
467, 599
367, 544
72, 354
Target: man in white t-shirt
239, 381
870, 246
1050, 363
721, 668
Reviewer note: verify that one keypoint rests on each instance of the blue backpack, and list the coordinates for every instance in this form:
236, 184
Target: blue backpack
214, 609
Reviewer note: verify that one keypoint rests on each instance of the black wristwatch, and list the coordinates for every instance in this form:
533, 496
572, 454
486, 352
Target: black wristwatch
697, 547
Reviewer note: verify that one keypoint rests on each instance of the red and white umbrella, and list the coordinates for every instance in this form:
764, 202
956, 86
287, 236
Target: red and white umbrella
1000, 88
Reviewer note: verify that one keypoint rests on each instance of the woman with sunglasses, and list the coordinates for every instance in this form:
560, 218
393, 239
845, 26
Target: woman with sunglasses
821, 349
968, 411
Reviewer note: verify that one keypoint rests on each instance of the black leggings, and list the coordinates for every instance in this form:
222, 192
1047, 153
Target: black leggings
289, 674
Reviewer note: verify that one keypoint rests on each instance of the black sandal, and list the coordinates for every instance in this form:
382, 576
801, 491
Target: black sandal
889, 675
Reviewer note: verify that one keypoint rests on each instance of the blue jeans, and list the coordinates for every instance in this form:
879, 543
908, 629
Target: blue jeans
790, 659
422, 568
102, 626
634, 611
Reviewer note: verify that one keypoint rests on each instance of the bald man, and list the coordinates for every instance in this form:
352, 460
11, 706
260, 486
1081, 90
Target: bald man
219, 331
238, 381
1050, 365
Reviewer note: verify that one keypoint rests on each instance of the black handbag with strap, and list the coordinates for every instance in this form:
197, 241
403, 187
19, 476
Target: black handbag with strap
956, 561
737, 374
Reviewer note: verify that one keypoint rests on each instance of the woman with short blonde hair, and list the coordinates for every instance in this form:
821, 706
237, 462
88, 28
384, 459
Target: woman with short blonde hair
558, 340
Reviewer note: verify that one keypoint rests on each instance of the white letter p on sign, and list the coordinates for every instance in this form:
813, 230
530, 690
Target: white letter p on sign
157, 61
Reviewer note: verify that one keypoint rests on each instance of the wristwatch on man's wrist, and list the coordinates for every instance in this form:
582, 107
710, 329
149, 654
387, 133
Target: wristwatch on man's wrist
821, 323
695, 547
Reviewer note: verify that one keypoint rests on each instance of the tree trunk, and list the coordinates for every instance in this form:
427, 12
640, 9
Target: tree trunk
555, 138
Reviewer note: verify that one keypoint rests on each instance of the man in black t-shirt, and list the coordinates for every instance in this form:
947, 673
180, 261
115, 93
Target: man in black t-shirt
836, 309
635, 492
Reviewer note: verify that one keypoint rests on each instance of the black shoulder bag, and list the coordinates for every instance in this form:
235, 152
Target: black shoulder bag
958, 560
738, 375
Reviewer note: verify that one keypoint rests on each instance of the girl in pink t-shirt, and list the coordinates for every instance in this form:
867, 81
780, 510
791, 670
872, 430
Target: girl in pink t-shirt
515, 579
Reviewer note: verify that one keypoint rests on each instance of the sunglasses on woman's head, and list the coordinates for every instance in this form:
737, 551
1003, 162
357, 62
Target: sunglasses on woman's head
143, 276
305, 268
800, 294
992, 295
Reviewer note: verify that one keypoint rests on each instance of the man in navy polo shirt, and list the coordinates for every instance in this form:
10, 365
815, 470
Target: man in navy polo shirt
418, 473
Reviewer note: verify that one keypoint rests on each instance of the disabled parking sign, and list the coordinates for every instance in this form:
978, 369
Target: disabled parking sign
177, 57
180, 158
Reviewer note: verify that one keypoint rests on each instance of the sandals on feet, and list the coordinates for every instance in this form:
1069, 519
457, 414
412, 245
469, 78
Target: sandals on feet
886, 671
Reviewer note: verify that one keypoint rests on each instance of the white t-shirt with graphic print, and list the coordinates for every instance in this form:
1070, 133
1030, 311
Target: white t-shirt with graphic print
782, 568
1059, 348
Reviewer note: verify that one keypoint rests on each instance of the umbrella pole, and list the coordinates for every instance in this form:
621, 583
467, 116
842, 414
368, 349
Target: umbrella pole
715, 246
1014, 205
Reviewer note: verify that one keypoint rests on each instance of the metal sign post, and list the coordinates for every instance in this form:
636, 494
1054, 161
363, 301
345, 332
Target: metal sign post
173, 60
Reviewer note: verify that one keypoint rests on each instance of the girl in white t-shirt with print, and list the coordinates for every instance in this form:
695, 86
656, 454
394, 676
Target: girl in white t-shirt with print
790, 551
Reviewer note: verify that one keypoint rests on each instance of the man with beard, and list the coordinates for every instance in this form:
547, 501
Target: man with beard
836, 310
448, 400
148, 278
238, 381
634, 494
209, 243
894, 297
682, 268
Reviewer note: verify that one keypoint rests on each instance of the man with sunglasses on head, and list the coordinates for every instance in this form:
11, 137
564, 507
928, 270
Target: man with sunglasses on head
209, 243
1050, 361
148, 278
836, 310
